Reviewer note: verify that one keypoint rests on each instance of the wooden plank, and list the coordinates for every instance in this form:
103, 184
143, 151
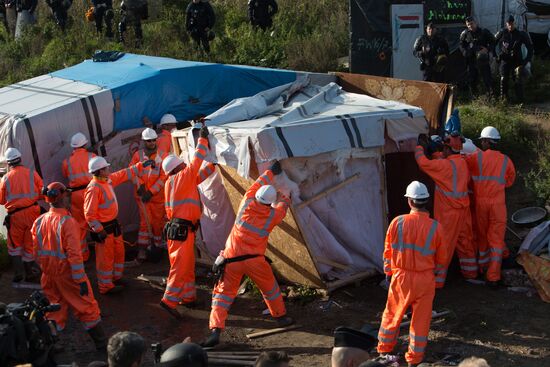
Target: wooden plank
278, 330
331, 286
324, 260
229, 362
328, 191
287, 248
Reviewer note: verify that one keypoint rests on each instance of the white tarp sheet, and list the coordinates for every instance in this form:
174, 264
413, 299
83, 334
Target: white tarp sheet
322, 135
491, 14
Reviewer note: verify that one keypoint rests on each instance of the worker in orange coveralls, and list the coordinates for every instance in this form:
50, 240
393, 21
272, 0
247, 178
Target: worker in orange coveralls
183, 209
167, 123
452, 203
20, 189
491, 172
413, 252
150, 194
101, 210
75, 169
259, 212
56, 239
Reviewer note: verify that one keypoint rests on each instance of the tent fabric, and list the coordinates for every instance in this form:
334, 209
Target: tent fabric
152, 86
492, 14
342, 120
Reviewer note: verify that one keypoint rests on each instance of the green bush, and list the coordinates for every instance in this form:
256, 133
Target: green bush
4, 258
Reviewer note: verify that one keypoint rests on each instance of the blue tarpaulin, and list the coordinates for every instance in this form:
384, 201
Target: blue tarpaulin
152, 86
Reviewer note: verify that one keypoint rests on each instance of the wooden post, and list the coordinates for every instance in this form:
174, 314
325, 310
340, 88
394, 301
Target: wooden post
327, 192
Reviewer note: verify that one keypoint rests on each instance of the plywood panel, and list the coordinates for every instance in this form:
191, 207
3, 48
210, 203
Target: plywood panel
287, 248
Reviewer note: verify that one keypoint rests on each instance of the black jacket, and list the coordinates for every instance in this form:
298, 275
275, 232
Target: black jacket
29, 5
199, 16
472, 42
510, 46
261, 10
428, 48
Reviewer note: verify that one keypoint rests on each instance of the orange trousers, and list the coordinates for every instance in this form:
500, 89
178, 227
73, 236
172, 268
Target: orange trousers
491, 224
62, 289
257, 269
408, 289
19, 234
156, 218
458, 236
180, 286
109, 262
77, 211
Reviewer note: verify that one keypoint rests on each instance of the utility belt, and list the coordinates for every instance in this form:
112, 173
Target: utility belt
177, 229
7, 221
219, 267
78, 188
110, 227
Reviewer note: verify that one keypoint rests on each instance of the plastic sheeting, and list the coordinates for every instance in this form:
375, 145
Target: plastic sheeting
492, 14
152, 86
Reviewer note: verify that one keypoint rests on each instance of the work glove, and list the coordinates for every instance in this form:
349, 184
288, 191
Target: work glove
148, 163
204, 132
216, 266
276, 168
101, 236
146, 196
141, 190
423, 140
83, 289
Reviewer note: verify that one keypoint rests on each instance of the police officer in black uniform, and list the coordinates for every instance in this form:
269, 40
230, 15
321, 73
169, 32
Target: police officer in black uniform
199, 21
261, 12
103, 10
433, 52
476, 45
59, 10
510, 41
132, 13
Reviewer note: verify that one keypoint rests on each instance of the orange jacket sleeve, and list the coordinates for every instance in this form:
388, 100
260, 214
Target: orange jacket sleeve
134, 160
432, 167
38, 185
440, 252
127, 174
34, 239
91, 204
265, 179
198, 157
387, 255
205, 172
65, 168
510, 174
70, 237
3, 200
281, 207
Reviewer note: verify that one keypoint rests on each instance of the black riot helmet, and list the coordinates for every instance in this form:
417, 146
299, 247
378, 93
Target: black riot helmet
184, 355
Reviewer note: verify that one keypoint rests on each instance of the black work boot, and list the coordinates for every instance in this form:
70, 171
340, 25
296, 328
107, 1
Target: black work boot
172, 311
213, 339
116, 289
32, 272
284, 321
98, 335
18, 269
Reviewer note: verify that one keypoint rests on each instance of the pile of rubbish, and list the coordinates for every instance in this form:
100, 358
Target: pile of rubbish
534, 256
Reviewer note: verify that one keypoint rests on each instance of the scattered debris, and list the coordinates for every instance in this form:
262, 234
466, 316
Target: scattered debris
278, 330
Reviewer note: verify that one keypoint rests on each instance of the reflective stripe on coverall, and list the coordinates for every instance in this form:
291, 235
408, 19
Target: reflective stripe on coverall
164, 141
75, 169
153, 179
100, 206
182, 201
249, 236
491, 173
56, 240
452, 209
20, 188
414, 254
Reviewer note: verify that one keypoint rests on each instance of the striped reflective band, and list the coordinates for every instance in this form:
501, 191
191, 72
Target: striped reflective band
260, 231
273, 294
31, 194
74, 176
400, 245
455, 193
58, 250
500, 179
106, 201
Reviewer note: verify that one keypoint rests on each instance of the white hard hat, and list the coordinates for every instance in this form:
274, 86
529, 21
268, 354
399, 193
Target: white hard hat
97, 163
417, 191
468, 147
171, 162
168, 119
489, 132
149, 134
12, 154
266, 194
78, 140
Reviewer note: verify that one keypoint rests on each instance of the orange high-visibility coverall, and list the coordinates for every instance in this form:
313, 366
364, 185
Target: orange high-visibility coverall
56, 238
249, 236
21, 188
100, 206
75, 169
164, 141
413, 251
452, 209
151, 214
182, 201
491, 173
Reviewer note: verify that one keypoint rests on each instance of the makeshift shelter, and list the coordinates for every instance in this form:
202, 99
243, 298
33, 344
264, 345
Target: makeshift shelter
331, 144
383, 32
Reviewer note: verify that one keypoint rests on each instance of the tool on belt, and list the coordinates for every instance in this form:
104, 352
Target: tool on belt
110, 227
7, 220
178, 229
219, 265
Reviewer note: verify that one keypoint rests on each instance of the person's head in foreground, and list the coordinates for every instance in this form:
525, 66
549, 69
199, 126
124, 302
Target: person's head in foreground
474, 362
272, 359
125, 349
351, 347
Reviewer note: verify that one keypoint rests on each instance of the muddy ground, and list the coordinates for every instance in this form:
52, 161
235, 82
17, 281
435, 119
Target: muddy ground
506, 328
